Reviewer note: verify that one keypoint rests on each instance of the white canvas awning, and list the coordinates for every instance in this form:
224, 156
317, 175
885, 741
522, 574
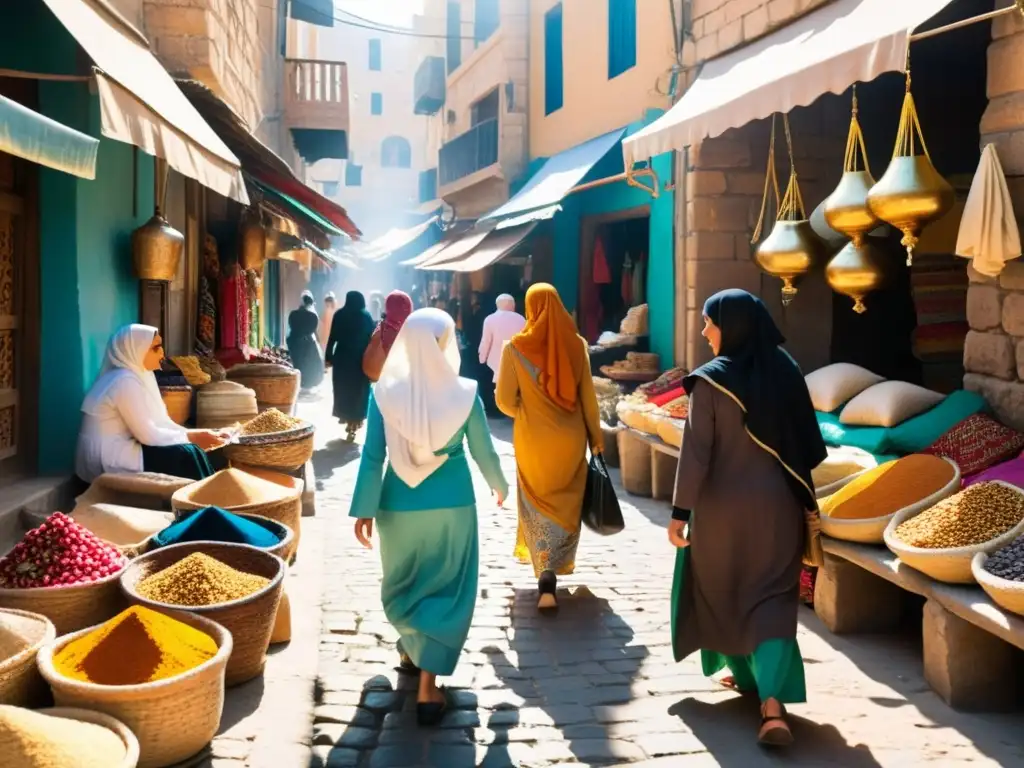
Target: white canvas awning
140, 103
826, 51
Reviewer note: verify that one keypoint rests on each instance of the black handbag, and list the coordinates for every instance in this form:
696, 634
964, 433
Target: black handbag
601, 512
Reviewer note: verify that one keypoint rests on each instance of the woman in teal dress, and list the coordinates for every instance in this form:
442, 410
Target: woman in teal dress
743, 488
422, 416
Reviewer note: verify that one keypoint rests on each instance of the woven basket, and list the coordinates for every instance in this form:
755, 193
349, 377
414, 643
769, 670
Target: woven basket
285, 548
250, 620
69, 608
172, 719
278, 450
131, 744
274, 391
671, 431
1008, 595
287, 511
20, 682
872, 530
952, 566
179, 403
830, 488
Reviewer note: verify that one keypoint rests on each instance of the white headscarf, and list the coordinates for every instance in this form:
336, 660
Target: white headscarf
423, 400
506, 303
126, 353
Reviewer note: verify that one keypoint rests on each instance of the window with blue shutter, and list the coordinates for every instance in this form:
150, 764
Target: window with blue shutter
621, 36
376, 103
553, 84
486, 19
375, 54
353, 175
330, 188
454, 33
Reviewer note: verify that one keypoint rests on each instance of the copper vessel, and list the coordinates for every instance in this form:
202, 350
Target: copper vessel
846, 209
788, 253
910, 194
252, 243
156, 249
856, 271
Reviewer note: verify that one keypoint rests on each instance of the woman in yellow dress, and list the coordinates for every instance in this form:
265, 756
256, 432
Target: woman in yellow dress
544, 384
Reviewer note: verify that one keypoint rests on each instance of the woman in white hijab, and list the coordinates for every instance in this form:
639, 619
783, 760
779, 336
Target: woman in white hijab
125, 426
421, 417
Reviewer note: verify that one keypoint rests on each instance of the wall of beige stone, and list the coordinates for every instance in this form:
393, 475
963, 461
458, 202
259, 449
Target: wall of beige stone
720, 25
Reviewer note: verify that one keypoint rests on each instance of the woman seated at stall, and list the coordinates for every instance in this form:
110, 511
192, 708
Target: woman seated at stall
125, 427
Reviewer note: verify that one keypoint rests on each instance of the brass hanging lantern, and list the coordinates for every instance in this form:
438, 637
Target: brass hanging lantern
846, 209
252, 242
911, 192
856, 271
791, 248
156, 249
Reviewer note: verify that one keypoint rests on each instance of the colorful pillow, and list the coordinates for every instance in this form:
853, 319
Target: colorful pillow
834, 384
916, 434
874, 440
1011, 472
888, 404
977, 443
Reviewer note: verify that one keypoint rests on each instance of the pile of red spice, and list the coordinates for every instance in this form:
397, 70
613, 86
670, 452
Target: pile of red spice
59, 553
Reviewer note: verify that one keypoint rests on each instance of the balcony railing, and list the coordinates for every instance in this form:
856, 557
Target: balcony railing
428, 90
473, 151
428, 185
317, 94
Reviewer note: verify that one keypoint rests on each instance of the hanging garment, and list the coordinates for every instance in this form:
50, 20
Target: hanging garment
601, 274
988, 230
627, 282
228, 329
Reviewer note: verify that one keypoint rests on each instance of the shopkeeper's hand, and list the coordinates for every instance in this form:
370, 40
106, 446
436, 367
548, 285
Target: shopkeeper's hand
364, 531
206, 439
677, 533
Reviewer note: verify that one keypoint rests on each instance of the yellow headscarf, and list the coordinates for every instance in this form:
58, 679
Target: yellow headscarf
550, 342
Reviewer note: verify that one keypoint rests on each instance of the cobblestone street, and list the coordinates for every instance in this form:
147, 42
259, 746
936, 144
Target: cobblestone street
595, 685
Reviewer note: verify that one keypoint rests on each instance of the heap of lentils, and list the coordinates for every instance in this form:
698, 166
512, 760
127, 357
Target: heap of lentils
268, 422
200, 580
1008, 562
59, 553
977, 514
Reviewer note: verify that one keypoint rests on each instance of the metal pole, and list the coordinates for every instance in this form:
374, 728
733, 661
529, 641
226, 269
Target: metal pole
1018, 5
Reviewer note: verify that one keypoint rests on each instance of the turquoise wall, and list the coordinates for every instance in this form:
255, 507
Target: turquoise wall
661, 248
87, 287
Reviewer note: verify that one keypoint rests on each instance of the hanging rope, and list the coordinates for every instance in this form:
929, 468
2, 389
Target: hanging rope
792, 207
909, 131
855, 142
771, 182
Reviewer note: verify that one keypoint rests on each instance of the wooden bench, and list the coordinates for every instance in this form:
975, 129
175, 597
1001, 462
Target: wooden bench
971, 647
648, 464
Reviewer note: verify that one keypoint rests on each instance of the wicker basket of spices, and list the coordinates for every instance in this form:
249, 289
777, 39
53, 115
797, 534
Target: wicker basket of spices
285, 547
173, 719
249, 619
276, 386
1008, 595
953, 565
273, 440
178, 400
22, 634
70, 608
246, 493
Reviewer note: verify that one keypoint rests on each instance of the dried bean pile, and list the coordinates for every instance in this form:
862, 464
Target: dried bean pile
268, 422
199, 580
977, 514
37, 740
1008, 562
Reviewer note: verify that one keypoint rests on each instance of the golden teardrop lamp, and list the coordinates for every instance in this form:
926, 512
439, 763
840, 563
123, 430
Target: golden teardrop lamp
791, 248
156, 245
858, 268
911, 193
252, 241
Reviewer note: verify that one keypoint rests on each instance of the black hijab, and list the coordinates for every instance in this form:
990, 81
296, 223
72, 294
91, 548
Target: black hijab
352, 324
766, 382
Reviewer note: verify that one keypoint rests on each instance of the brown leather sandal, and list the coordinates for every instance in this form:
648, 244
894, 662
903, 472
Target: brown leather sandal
778, 735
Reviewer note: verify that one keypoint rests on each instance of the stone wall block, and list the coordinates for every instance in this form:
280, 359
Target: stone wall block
720, 214
991, 354
705, 183
755, 23
730, 36
976, 277
1005, 73
743, 183
1007, 24
781, 11
1020, 360
1004, 112
1011, 278
721, 153
737, 9
984, 305
1010, 146
1005, 397
1013, 314
710, 246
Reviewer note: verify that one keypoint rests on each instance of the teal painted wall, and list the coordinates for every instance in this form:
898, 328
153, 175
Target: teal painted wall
87, 287
661, 248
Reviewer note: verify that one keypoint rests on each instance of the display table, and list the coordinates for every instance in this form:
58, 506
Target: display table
970, 645
648, 464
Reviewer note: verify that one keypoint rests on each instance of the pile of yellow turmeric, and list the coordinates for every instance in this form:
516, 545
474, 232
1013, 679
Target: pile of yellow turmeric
137, 646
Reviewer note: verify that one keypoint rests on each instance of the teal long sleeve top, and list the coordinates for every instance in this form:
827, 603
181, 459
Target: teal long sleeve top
450, 486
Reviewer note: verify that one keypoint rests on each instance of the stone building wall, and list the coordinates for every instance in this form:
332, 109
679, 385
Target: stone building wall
994, 350
720, 25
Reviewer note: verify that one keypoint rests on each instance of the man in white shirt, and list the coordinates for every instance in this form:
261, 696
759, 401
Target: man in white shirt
498, 329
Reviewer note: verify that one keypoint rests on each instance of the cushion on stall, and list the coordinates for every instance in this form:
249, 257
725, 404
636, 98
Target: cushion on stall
834, 384
888, 404
870, 439
1011, 472
977, 443
916, 434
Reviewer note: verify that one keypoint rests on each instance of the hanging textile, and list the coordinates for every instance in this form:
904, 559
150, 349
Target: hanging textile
206, 321
227, 336
601, 274
988, 229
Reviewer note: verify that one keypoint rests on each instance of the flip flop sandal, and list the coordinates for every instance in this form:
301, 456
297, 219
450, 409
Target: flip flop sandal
729, 682
407, 666
778, 736
431, 713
